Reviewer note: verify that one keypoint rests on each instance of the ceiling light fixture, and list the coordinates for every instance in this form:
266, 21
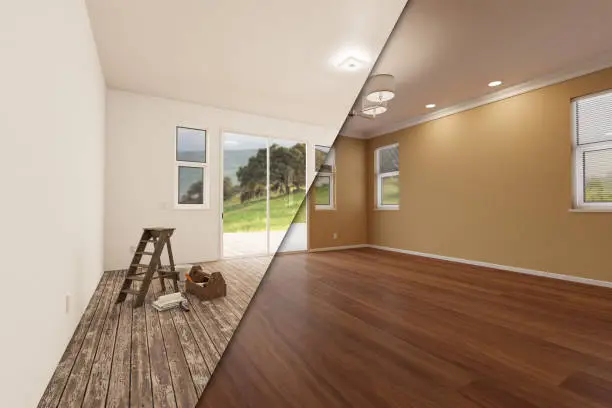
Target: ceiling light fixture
373, 109
493, 84
380, 88
430, 105
351, 64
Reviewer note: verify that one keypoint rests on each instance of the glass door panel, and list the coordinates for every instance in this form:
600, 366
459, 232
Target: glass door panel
287, 193
245, 195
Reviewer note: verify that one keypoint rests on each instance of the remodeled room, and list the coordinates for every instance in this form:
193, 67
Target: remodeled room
460, 238
308, 204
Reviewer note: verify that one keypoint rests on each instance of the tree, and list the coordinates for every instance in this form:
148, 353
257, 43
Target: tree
228, 188
287, 169
193, 194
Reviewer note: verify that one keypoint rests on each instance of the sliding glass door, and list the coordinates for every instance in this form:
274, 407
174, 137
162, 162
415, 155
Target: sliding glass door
245, 195
287, 193
264, 184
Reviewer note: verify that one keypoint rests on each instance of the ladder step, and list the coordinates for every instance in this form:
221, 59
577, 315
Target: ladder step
140, 265
130, 291
144, 253
141, 277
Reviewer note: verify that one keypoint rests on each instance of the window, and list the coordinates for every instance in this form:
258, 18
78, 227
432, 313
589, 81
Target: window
593, 151
191, 168
387, 177
325, 166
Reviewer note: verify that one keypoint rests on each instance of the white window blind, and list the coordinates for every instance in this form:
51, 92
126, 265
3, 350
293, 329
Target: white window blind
594, 118
593, 151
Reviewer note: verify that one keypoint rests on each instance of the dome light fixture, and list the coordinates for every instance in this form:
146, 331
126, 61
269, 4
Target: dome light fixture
380, 88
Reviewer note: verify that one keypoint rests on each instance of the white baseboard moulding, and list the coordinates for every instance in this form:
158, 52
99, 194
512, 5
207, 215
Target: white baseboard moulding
524, 271
339, 248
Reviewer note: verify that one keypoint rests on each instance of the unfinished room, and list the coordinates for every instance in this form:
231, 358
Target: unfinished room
307, 204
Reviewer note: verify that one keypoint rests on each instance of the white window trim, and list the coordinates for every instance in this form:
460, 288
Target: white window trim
380, 177
579, 205
204, 166
332, 182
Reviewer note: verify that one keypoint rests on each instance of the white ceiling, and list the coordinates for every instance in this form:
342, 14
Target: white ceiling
268, 57
446, 52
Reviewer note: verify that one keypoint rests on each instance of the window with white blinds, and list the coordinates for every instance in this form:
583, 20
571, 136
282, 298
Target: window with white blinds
387, 177
593, 151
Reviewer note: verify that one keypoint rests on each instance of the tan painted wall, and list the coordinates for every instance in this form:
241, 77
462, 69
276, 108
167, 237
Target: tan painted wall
348, 220
494, 184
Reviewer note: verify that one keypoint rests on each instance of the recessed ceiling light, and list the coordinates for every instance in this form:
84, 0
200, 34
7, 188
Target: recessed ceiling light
351, 64
430, 105
495, 83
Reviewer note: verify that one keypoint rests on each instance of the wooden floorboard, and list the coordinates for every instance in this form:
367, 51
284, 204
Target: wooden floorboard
97, 387
56, 386
369, 328
141, 393
125, 357
79, 377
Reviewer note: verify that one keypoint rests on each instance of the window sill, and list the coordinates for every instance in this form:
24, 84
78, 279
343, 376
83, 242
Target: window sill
191, 207
590, 210
386, 208
324, 208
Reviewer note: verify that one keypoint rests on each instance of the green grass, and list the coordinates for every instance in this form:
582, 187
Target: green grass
322, 194
251, 216
390, 190
598, 190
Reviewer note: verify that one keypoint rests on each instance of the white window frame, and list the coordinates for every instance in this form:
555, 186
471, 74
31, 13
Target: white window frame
380, 176
332, 182
204, 166
578, 155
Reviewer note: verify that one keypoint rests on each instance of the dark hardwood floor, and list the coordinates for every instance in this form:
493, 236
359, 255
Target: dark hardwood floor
366, 328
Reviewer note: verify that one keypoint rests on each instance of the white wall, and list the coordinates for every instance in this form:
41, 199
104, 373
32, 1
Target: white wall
51, 173
140, 171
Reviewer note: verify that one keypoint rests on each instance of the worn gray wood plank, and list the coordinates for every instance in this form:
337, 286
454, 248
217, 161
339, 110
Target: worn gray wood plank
204, 343
193, 356
79, 377
97, 388
120, 356
214, 331
56, 386
184, 387
141, 394
119, 386
220, 317
226, 306
161, 381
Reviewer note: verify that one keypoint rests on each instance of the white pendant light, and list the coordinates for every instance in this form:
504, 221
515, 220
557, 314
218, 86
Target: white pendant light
380, 88
373, 109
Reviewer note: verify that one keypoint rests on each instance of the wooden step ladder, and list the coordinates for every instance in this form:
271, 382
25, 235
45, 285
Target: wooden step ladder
160, 238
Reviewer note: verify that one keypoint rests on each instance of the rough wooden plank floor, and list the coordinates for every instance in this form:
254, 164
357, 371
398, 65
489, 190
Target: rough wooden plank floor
125, 357
367, 328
